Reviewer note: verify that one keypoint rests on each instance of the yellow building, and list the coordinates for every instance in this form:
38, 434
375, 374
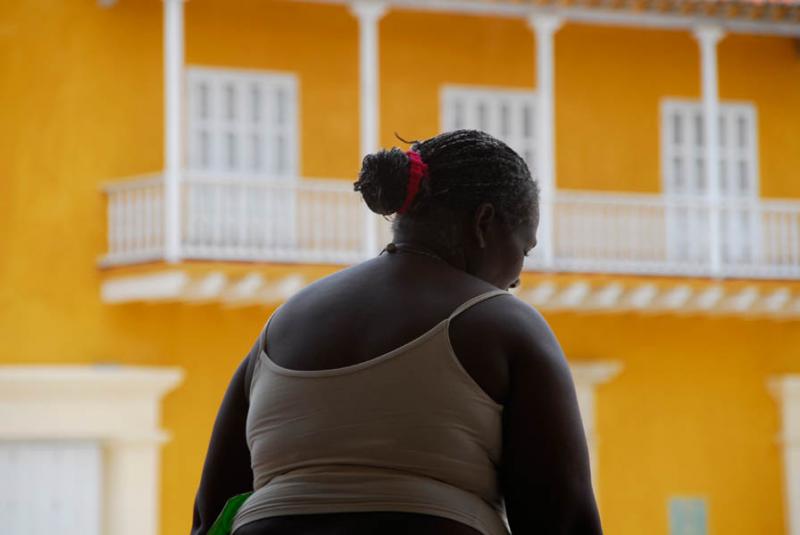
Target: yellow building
172, 171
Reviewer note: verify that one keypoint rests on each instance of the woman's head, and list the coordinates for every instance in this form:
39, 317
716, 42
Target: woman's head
477, 203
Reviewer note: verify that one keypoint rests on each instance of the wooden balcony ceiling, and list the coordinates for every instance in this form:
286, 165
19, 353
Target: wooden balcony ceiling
775, 11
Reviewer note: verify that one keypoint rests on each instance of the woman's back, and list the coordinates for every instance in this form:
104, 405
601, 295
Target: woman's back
406, 430
494, 376
380, 305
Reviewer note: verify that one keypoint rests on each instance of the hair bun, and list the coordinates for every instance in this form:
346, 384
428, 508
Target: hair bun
383, 180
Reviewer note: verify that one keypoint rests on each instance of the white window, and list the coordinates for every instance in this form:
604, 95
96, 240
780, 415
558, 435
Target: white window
242, 122
506, 114
683, 163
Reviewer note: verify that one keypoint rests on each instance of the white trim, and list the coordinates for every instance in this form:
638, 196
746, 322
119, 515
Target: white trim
677, 297
587, 377
777, 300
786, 390
642, 297
573, 295
369, 14
577, 294
596, 16
173, 142
583, 295
118, 406
243, 291
179, 286
159, 286
207, 288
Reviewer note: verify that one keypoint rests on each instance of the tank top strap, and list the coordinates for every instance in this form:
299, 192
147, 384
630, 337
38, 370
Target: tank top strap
475, 300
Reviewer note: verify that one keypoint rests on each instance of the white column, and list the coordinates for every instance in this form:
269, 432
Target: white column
369, 13
133, 471
544, 28
786, 390
708, 37
587, 377
173, 143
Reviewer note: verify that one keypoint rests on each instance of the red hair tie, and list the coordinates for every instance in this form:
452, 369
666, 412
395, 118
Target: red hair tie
416, 172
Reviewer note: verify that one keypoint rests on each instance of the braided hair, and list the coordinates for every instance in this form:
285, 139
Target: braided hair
465, 169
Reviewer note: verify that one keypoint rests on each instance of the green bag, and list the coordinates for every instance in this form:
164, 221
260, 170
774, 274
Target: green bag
224, 522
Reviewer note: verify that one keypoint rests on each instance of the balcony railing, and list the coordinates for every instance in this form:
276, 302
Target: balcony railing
658, 235
324, 221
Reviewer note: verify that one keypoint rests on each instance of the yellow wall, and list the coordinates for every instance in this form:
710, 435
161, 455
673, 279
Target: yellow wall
422, 51
690, 415
766, 71
609, 83
318, 43
81, 97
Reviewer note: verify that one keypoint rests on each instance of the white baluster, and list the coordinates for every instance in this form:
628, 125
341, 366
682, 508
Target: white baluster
113, 224
794, 246
242, 220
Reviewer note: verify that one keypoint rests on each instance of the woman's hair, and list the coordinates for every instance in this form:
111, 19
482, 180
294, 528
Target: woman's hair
465, 169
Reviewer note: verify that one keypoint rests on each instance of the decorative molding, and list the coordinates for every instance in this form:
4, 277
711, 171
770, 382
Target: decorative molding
207, 288
368, 10
642, 297
118, 406
180, 286
548, 294
245, 290
673, 298
573, 295
160, 286
587, 377
676, 298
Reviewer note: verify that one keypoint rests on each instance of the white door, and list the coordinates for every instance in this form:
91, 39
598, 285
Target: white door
243, 153
50, 487
684, 180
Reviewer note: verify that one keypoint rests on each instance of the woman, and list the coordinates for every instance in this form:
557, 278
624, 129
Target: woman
411, 393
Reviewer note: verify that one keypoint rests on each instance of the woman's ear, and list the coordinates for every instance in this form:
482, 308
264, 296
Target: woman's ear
483, 218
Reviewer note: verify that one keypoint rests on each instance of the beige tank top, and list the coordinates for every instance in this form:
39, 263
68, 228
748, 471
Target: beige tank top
408, 431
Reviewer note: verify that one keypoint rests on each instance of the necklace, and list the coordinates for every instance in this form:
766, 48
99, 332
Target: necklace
393, 248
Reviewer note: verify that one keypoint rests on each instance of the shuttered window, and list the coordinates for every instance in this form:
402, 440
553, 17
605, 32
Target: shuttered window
509, 115
242, 122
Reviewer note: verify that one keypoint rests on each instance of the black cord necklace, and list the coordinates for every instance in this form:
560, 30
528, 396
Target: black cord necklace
393, 248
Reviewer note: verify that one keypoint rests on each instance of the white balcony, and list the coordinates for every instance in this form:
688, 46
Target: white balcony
325, 222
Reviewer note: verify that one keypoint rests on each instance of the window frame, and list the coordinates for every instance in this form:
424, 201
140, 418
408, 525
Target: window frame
524, 139
268, 81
